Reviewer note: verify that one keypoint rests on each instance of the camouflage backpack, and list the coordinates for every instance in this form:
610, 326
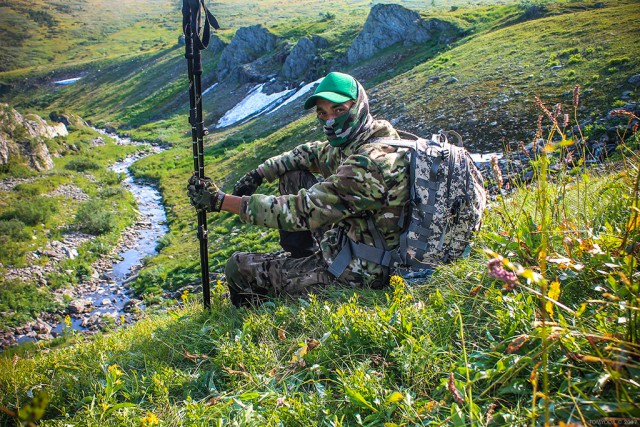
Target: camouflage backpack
447, 202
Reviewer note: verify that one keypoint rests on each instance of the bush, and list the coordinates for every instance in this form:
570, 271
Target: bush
82, 164
575, 59
14, 228
93, 217
22, 301
30, 188
113, 178
32, 211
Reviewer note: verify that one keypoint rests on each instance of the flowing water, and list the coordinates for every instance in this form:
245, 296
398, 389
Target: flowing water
111, 297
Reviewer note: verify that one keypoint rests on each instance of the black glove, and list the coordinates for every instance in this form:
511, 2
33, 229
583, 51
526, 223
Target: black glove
248, 184
204, 195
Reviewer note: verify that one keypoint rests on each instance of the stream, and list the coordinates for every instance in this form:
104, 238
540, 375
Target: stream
106, 294
112, 298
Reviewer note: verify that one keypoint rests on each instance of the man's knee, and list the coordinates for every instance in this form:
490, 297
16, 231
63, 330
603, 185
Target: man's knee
293, 181
232, 269
235, 281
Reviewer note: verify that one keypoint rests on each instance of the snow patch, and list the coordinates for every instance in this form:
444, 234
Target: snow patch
303, 90
209, 88
67, 81
253, 104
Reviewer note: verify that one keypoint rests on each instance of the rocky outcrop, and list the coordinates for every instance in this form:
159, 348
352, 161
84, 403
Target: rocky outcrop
389, 24
304, 62
216, 44
242, 60
22, 138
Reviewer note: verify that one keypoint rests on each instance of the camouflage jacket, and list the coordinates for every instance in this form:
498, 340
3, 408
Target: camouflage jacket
361, 180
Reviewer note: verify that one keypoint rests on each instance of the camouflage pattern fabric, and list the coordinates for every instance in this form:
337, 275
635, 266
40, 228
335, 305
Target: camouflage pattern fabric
355, 124
251, 276
359, 179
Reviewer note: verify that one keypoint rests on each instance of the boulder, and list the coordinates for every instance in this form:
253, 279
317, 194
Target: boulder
216, 44
389, 24
80, 306
22, 138
246, 47
304, 63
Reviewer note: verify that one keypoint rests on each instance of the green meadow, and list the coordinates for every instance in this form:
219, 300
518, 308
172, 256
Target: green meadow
538, 326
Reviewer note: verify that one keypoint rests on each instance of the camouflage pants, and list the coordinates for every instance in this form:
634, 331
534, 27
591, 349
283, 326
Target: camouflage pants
253, 276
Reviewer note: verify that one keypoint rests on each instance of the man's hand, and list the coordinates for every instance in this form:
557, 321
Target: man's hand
248, 184
204, 194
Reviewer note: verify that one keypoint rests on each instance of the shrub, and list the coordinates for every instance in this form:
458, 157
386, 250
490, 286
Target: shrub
82, 164
113, 178
32, 211
617, 61
575, 59
93, 217
21, 301
30, 188
14, 228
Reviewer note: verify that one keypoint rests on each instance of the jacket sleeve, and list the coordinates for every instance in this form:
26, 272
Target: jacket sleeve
303, 157
357, 186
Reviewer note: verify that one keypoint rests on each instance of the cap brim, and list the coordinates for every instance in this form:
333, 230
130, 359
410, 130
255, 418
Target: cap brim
329, 96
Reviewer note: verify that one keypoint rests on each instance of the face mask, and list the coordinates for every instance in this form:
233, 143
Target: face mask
339, 128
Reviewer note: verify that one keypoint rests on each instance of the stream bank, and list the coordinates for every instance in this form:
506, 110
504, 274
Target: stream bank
103, 299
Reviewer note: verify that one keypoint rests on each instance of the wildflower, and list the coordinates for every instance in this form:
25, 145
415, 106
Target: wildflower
115, 371
622, 112
557, 111
566, 121
576, 96
497, 271
538, 132
67, 321
492, 409
546, 111
454, 391
497, 173
150, 420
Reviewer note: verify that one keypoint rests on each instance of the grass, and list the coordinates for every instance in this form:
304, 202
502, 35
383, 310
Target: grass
30, 217
548, 334
461, 348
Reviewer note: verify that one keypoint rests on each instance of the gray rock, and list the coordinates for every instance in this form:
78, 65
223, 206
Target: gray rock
634, 80
216, 44
80, 306
23, 138
247, 46
304, 63
389, 24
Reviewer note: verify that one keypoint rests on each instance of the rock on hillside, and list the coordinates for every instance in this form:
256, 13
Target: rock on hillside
22, 138
389, 24
240, 59
304, 63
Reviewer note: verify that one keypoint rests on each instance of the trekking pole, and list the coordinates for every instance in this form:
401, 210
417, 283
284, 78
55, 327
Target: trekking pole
191, 25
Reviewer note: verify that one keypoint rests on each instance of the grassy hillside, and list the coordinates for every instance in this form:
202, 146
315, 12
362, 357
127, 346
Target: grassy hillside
547, 334
469, 347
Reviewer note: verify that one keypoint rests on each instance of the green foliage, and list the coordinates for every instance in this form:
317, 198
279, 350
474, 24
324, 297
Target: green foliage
32, 211
14, 228
95, 217
82, 164
19, 302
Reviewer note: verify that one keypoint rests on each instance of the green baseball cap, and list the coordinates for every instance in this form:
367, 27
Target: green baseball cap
335, 87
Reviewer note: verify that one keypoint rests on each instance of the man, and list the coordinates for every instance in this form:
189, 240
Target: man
362, 200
